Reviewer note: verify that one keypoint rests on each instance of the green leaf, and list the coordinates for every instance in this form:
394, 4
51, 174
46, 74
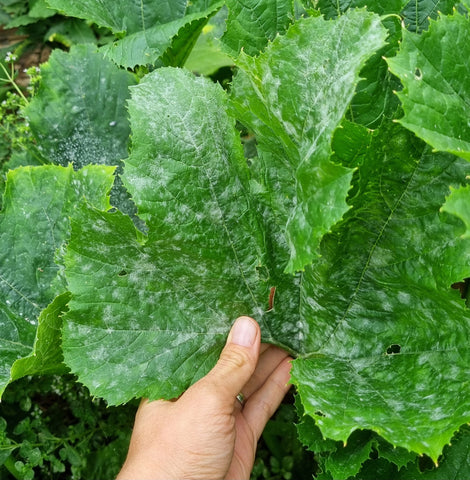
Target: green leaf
347, 460
79, 114
33, 225
381, 338
395, 455
71, 31
39, 9
377, 468
454, 463
207, 56
46, 356
147, 46
375, 100
293, 96
123, 17
252, 24
183, 43
340, 460
334, 8
417, 13
146, 29
458, 204
196, 270
389, 351
435, 72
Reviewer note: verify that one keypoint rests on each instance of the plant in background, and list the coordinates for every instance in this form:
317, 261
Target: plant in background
54, 427
342, 235
14, 129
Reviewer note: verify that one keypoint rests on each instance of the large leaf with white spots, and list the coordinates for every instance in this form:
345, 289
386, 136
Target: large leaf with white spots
355, 216
79, 114
151, 314
390, 346
207, 256
380, 339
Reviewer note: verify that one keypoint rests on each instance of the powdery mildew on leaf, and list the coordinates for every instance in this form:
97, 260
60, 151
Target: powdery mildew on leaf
381, 339
163, 306
79, 115
391, 335
293, 96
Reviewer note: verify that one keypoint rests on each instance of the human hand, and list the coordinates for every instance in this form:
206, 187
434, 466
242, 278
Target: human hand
207, 433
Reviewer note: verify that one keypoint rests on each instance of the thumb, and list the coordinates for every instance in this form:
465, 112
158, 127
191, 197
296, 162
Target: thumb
237, 361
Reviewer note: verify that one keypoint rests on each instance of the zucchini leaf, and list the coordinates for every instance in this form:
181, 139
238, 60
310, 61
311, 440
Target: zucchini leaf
389, 351
79, 114
334, 8
293, 96
151, 314
380, 338
417, 13
252, 24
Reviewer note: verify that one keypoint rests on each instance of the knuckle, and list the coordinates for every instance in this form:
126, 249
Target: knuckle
266, 409
235, 358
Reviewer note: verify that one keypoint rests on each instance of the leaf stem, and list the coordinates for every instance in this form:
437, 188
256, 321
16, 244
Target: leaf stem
10, 78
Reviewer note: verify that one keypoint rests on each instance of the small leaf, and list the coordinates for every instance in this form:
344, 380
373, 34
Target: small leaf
434, 70
252, 24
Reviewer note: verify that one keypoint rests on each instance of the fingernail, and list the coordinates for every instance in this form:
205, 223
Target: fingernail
243, 332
